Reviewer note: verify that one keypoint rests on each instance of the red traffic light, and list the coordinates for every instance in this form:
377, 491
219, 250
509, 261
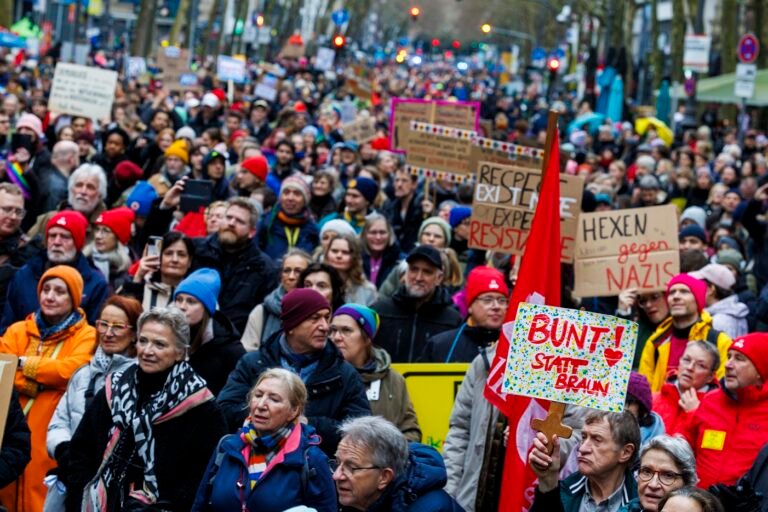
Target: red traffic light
339, 41
435, 42
415, 11
456, 44
553, 64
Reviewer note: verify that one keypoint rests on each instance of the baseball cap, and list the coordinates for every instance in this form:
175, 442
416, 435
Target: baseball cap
428, 253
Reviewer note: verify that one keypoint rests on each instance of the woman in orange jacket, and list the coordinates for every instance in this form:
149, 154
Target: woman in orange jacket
51, 344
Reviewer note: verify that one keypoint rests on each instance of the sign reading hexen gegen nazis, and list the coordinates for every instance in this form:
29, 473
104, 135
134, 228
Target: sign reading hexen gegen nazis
505, 201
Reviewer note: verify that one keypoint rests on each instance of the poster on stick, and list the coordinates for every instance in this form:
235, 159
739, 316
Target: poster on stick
8, 365
361, 130
505, 201
440, 149
570, 356
633, 248
82, 91
456, 114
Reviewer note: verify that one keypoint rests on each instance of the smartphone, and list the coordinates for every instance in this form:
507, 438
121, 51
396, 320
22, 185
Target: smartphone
197, 194
155, 246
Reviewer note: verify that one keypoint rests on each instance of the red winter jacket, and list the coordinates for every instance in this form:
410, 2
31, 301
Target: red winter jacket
726, 433
665, 404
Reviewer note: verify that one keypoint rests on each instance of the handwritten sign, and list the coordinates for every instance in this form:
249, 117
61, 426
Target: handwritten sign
634, 248
362, 129
229, 68
173, 62
442, 149
8, 365
82, 91
570, 356
456, 114
505, 201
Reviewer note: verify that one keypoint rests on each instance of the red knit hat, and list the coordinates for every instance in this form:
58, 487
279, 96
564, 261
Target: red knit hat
380, 144
258, 166
119, 221
300, 304
485, 280
74, 222
755, 347
697, 286
220, 94
128, 173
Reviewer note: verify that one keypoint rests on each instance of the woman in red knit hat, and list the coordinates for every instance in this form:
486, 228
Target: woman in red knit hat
109, 250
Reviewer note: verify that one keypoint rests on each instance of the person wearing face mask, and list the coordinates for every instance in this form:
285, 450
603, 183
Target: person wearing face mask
109, 251
215, 346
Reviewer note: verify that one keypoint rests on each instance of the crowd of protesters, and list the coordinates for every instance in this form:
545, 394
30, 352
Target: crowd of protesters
207, 290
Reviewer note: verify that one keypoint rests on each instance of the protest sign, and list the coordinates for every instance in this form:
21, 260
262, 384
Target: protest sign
432, 148
173, 62
633, 248
230, 69
569, 356
292, 50
432, 388
8, 365
504, 203
324, 59
267, 87
82, 91
500, 152
359, 87
361, 130
455, 114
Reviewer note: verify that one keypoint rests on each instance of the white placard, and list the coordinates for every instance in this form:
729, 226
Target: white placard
696, 54
82, 91
324, 59
229, 68
744, 86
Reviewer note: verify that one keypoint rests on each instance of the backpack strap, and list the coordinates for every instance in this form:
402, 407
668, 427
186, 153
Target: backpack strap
307, 472
659, 341
712, 335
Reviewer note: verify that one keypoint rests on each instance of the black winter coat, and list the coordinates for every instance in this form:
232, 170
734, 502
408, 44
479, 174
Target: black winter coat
335, 390
468, 341
406, 229
404, 329
389, 260
15, 453
216, 359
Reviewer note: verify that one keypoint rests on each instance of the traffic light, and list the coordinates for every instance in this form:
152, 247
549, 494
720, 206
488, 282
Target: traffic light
553, 64
339, 42
456, 44
486, 28
238, 30
415, 12
435, 42
260, 20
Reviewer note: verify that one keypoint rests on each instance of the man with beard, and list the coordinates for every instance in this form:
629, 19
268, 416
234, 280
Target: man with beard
420, 308
53, 180
404, 211
65, 238
487, 299
285, 165
247, 274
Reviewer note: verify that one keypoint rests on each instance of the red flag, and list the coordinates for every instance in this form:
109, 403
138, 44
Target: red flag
538, 281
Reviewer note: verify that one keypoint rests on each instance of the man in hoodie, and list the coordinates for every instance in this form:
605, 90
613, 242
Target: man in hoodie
728, 313
730, 426
487, 298
376, 469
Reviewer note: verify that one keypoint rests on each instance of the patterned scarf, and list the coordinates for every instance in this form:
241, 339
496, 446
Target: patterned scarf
183, 390
260, 449
47, 331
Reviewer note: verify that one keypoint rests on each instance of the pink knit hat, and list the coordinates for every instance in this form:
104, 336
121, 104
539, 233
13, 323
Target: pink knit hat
697, 287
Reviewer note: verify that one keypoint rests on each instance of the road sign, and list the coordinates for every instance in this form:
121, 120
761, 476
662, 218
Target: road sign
749, 48
744, 87
340, 16
696, 54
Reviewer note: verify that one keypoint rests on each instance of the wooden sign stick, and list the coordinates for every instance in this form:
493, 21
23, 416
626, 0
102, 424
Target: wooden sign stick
553, 424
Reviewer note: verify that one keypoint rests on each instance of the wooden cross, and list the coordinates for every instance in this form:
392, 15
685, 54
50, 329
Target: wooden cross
553, 425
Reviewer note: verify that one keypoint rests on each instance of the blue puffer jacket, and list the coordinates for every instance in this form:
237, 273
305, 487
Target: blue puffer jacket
421, 487
298, 475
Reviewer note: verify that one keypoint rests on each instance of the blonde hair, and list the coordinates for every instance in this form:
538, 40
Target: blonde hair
297, 391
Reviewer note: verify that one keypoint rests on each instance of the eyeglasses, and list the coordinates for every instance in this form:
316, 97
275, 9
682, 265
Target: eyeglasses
645, 299
490, 301
347, 469
12, 211
345, 332
118, 329
686, 361
665, 477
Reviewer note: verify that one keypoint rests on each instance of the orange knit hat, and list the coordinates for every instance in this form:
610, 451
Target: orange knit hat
70, 276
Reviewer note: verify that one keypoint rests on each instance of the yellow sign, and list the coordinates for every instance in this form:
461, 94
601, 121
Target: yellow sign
433, 388
713, 440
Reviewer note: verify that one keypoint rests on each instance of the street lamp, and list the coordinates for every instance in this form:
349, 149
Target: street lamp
486, 28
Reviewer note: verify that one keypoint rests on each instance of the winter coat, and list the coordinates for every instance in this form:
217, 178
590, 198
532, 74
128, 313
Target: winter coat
183, 446
388, 395
19, 249
264, 320
41, 384
757, 232
15, 452
567, 497
460, 345
654, 428
81, 390
404, 329
335, 391
272, 235
653, 362
730, 316
406, 228
389, 260
364, 293
665, 404
247, 276
22, 292
726, 433
420, 488
757, 476
215, 359
297, 475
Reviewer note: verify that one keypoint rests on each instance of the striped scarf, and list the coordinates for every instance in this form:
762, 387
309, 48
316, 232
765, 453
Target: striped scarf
260, 449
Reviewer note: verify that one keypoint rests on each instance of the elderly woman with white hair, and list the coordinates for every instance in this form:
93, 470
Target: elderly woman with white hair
146, 439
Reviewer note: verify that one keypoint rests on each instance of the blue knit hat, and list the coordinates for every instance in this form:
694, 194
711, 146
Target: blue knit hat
458, 214
203, 284
141, 197
693, 230
366, 186
366, 318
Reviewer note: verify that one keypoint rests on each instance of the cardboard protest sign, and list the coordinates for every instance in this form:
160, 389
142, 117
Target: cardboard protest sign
361, 130
82, 91
570, 356
173, 62
292, 51
505, 201
633, 248
229, 68
455, 114
325, 58
432, 148
500, 152
8, 365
